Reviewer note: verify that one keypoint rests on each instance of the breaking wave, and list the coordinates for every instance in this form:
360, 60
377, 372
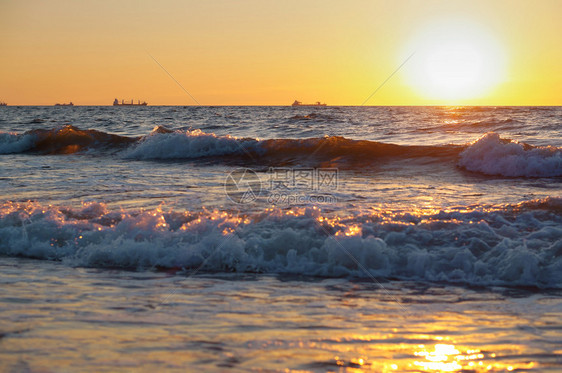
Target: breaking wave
63, 140
165, 144
493, 155
510, 245
489, 155
14, 143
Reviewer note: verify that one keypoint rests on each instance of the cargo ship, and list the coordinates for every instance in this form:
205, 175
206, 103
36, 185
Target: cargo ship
69, 104
132, 103
3, 104
298, 103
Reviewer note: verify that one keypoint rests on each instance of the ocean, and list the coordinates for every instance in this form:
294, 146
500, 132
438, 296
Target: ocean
347, 239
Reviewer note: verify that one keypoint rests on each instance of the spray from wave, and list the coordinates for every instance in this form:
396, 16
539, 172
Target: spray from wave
494, 245
493, 155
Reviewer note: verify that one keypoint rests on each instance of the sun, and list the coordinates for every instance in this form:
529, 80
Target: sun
453, 61
454, 70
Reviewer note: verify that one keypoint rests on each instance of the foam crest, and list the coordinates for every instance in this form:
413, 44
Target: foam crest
166, 144
15, 143
490, 154
62, 140
504, 245
495, 156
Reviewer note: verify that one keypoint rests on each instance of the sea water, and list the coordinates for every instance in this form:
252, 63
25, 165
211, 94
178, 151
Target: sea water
273, 238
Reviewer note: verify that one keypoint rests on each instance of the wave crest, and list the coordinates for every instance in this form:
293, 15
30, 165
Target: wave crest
493, 246
493, 155
15, 143
167, 144
62, 140
490, 154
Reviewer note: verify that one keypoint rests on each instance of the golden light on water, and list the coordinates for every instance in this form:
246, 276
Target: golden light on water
440, 354
449, 358
376, 344
439, 359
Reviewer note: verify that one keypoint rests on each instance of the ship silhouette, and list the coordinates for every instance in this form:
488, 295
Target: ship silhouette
298, 103
132, 103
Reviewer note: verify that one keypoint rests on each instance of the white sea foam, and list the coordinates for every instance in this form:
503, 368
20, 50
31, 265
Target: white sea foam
494, 156
479, 247
15, 143
187, 145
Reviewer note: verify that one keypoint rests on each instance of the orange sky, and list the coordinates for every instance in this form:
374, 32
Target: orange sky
264, 52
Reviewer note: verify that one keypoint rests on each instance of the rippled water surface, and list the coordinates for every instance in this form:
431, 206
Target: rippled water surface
66, 319
273, 238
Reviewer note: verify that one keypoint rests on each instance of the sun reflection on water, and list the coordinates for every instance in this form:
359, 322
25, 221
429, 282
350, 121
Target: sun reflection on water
440, 354
443, 357
439, 358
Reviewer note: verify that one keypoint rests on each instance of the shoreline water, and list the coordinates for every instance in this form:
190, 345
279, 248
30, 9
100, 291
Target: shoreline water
435, 245
82, 319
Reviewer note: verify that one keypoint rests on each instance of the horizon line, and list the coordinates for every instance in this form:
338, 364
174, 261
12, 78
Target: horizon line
258, 105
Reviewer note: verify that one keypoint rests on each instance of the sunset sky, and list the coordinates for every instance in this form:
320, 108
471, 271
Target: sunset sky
273, 52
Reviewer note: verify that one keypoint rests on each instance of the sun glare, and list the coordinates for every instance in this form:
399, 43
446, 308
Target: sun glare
454, 61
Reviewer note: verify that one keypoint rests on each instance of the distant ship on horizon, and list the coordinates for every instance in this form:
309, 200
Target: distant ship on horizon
3, 103
69, 104
298, 103
132, 103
